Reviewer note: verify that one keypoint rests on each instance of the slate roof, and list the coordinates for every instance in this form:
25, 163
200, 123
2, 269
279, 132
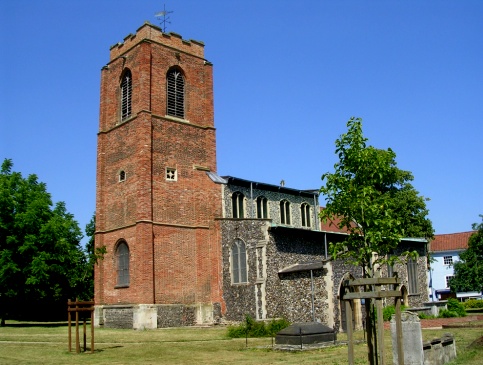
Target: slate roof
450, 242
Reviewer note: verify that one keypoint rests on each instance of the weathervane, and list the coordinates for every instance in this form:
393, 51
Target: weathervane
163, 17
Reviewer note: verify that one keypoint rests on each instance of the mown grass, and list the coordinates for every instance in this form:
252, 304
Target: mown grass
41, 344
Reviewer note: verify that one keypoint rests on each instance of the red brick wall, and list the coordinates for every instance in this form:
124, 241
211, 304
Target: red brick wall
169, 226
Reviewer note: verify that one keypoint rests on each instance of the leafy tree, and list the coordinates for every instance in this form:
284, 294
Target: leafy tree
375, 202
93, 256
468, 271
373, 199
41, 260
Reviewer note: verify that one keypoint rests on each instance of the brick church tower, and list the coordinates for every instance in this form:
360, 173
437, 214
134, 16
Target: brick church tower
156, 206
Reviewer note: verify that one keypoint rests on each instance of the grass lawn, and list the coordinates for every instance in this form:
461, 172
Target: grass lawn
22, 343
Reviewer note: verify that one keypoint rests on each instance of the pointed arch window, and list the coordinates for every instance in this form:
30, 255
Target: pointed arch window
126, 94
285, 212
122, 258
262, 207
239, 262
175, 93
237, 203
305, 214
412, 266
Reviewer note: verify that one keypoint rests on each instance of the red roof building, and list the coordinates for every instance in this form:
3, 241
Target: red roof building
450, 242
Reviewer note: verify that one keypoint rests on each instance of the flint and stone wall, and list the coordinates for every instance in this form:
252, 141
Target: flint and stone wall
268, 294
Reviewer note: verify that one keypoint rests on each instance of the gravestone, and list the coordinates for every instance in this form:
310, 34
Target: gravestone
412, 339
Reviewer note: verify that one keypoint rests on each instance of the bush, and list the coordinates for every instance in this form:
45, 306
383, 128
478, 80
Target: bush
444, 313
455, 306
389, 310
277, 325
425, 316
254, 328
473, 303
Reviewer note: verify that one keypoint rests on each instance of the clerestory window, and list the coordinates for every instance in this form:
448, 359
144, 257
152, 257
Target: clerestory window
262, 207
175, 93
305, 214
237, 203
126, 94
285, 212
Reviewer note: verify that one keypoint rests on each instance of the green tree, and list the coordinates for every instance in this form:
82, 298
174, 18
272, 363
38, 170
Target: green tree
374, 201
93, 256
468, 271
41, 260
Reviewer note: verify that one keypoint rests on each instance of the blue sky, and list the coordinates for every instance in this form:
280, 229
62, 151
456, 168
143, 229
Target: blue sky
287, 76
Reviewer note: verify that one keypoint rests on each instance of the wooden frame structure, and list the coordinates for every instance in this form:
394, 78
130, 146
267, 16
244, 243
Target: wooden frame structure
375, 294
80, 307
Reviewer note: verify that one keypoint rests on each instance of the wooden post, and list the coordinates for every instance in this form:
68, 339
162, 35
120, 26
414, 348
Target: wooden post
370, 332
400, 353
69, 324
85, 334
350, 335
80, 308
380, 331
77, 344
92, 331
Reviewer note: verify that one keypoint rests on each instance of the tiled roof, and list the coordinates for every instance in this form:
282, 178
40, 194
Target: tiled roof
332, 225
450, 242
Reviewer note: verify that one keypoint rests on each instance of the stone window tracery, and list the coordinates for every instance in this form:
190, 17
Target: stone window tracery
239, 262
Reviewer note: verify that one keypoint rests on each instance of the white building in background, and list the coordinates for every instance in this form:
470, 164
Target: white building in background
445, 250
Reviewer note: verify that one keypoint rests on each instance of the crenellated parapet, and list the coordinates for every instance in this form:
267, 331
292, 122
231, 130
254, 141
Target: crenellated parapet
152, 33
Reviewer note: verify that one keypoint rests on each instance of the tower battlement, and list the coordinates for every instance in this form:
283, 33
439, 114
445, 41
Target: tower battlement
153, 33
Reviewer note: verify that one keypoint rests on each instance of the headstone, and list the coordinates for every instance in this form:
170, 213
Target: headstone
412, 339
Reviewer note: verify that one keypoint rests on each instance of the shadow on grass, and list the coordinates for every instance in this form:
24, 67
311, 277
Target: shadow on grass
97, 350
37, 324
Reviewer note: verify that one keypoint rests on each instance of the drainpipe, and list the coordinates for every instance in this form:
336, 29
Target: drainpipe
316, 216
251, 199
325, 244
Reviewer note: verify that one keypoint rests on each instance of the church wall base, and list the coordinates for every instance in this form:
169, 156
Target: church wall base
150, 316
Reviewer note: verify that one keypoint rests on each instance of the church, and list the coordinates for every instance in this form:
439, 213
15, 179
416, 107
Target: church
184, 245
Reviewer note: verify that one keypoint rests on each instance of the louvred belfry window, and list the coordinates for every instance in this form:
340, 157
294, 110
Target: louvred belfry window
175, 90
126, 94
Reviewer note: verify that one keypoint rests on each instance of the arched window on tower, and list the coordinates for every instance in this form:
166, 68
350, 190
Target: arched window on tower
122, 260
126, 94
239, 262
175, 93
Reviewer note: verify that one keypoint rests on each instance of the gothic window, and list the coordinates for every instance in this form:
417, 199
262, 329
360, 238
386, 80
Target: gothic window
262, 207
122, 175
175, 93
305, 214
239, 262
126, 95
237, 202
284, 212
122, 258
412, 276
